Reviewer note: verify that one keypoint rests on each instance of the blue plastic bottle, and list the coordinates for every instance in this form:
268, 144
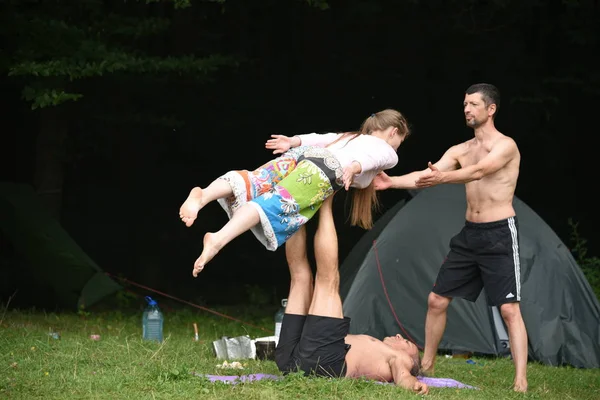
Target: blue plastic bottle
152, 321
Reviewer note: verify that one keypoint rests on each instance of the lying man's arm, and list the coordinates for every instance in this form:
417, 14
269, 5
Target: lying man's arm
400, 367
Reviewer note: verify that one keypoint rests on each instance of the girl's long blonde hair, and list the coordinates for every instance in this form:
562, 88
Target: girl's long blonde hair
365, 201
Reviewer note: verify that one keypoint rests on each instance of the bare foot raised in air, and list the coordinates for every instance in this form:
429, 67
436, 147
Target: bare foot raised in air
211, 248
190, 207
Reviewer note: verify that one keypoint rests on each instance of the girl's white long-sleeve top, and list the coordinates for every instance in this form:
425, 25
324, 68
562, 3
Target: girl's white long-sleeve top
372, 153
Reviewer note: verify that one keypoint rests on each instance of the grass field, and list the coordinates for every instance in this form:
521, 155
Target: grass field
120, 365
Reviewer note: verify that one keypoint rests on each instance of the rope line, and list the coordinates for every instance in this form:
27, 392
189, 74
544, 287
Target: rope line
187, 302
388, 297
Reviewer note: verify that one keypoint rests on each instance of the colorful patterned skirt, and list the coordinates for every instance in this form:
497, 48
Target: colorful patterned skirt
287, 191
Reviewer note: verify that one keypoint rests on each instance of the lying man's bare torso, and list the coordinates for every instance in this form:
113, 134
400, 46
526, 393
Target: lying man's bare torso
370, 358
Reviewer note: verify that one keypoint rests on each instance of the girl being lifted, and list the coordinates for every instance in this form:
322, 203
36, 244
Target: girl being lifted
275, 200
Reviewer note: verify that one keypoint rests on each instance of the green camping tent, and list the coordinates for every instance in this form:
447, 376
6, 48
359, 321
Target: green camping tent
53, 257
387, 277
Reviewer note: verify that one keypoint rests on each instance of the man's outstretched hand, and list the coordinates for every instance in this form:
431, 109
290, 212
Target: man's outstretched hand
382, 181
431, 178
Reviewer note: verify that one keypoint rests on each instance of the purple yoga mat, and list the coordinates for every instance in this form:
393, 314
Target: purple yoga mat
444, 382
233, 379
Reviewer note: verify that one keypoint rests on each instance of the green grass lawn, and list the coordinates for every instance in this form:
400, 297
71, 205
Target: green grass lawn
121, 366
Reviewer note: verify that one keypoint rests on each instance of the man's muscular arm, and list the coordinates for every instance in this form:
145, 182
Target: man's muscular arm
448, 162
500, 155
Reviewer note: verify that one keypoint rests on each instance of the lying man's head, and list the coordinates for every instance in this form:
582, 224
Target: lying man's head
399, 343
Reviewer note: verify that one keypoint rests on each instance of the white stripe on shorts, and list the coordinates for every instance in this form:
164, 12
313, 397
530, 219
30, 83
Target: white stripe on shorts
516, 259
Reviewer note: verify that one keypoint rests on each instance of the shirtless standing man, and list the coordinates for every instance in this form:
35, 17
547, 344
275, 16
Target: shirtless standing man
314, 333
485, 253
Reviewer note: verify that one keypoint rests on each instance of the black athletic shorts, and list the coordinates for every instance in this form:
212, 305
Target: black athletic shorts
483, 255
313, 344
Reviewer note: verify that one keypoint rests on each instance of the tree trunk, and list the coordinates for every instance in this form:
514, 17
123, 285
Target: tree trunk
49, 158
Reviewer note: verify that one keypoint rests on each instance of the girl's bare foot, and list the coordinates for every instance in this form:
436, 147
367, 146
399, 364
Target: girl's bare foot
211, 248
190, 207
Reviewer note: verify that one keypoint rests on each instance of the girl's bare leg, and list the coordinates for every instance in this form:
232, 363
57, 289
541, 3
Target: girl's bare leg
199, 197
242, 220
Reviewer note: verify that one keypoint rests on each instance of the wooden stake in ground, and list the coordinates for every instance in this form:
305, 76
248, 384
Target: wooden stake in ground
196, 337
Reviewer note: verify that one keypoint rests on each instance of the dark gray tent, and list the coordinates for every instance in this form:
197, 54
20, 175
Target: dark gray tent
386, 278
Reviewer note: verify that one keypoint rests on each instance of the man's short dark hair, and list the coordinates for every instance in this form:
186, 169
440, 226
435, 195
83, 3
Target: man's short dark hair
489, 93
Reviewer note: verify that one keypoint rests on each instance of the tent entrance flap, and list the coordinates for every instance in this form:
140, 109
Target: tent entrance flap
503, 344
